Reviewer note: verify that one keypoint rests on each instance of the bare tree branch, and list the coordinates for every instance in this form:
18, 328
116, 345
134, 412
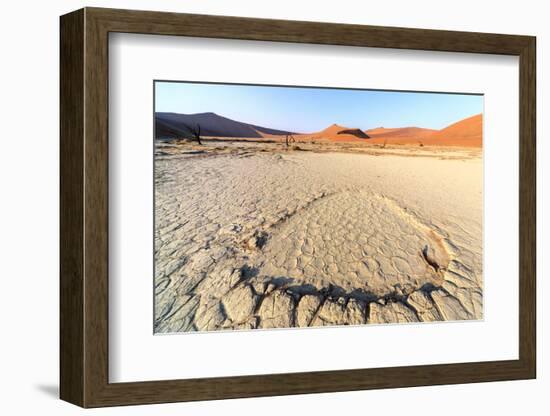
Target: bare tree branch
289, 139
196, 132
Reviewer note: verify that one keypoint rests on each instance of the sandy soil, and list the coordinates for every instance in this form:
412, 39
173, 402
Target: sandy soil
252, 235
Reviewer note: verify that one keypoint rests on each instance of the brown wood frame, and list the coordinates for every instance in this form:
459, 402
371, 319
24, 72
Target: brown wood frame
84, 207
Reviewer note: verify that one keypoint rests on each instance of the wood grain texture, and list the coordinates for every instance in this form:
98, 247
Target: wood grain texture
71, 208
84, 207
96, 208
527, 208
225, 27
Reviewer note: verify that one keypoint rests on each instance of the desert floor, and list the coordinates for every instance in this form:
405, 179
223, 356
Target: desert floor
251, 235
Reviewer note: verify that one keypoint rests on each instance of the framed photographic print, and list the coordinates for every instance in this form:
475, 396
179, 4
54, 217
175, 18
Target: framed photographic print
255, 207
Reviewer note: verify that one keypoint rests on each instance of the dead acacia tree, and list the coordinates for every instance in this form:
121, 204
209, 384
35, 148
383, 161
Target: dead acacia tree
196, 132
289, 139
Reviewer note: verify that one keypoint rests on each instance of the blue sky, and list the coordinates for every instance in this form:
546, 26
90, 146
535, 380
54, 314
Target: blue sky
307, 110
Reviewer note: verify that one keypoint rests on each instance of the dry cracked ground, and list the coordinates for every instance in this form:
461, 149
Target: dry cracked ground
255, 237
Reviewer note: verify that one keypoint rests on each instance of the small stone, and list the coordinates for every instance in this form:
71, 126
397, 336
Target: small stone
252, 243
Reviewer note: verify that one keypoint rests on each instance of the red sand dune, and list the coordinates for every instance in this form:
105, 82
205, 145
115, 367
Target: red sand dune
332, 130
403, 135
332, 133
467, 132
464, 133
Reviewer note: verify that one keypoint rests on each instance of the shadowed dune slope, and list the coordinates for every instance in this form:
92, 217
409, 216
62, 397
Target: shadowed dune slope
171, 125
355, 132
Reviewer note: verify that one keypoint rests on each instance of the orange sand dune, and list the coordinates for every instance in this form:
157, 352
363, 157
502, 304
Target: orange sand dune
467, 132
400, 132
332, 130
381, 130
331, 134
403, 135
464, 133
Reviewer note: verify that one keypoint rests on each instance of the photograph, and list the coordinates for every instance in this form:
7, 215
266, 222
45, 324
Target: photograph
291, 206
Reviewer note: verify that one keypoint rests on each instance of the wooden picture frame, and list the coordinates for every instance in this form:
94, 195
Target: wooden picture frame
84, 207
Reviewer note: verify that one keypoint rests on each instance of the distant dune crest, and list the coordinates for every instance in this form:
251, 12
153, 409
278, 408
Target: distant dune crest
465, 133
172, 125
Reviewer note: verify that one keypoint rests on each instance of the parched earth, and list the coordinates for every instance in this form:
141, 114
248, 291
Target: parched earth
251, 238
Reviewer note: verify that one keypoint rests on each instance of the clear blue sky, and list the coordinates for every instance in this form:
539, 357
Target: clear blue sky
307, 110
